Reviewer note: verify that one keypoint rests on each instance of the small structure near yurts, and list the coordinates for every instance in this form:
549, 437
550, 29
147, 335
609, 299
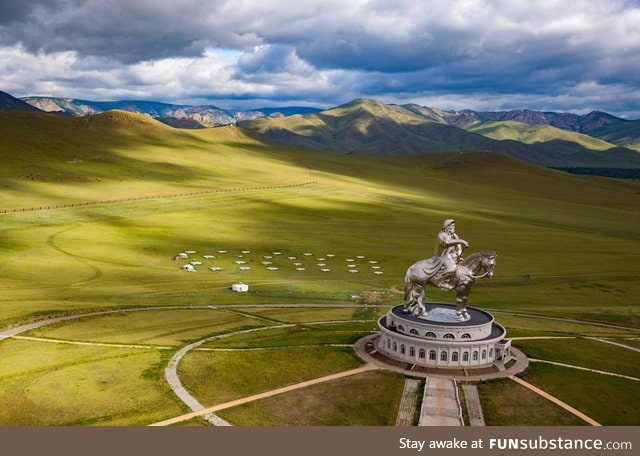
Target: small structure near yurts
188, 268
240, 287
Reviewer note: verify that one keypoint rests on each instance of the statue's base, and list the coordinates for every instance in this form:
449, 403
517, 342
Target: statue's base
366, 349
440, 339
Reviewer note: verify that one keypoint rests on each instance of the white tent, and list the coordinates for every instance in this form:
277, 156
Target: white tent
240, 287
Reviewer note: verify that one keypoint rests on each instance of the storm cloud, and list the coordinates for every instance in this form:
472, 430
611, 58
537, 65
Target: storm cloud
480, 54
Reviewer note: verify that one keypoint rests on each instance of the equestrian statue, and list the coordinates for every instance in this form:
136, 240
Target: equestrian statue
447, 270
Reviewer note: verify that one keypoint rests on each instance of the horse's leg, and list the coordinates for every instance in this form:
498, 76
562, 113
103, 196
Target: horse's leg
461, 302
409, 295
458, 307
423, 309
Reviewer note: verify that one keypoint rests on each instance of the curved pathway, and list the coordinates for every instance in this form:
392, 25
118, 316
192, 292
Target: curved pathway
199, 410
171, 374
571, 366
256, 397
615, 343
49, 321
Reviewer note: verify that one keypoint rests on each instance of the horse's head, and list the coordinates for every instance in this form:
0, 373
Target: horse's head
478, 261
489, 262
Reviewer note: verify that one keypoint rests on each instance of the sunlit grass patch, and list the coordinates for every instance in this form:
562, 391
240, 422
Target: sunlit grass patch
71, 385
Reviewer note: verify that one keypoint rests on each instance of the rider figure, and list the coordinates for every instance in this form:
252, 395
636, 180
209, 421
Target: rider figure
449, 247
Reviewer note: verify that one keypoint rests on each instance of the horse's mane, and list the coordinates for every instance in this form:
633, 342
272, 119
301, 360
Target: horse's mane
476, 255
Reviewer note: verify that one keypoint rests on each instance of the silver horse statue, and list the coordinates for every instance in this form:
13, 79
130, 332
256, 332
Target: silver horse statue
475, 266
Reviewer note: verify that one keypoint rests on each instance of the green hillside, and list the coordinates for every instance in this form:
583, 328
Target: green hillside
368, 126
529, 134
567, 248
50, 159
381, 204
625, 134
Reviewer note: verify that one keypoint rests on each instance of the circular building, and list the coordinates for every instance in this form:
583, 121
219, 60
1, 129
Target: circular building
439, 339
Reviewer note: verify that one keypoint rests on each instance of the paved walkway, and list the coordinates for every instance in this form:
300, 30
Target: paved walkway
542, 337
612, 374
408, 402
440, 406
615, 343
556, 401
256, 397
171, 373
472, 399
92, 344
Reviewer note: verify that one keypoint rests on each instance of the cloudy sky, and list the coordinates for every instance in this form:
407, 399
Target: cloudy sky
576, 55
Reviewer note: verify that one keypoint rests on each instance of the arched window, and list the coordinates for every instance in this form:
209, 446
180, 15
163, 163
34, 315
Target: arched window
465, 336
443, 356
395, 346
491, 353
475, 356
421, 353
414, 331
484, 354
430, 335
412, 351
454, 357
465, 356
448, 336
432, 355
402, 349
388, 344
401, 328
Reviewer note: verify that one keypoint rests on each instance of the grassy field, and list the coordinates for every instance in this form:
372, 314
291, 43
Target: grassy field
609, 400
567, 247
57, 384
527, 326
217, 377
584, 353
506, 403
369, 399
164, 327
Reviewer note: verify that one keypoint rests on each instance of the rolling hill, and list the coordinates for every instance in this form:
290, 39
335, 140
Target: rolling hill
10, 102
563, 120
625, 134
530, 134
617, 131
368, 126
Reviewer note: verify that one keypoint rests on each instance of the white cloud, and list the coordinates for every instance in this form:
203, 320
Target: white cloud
545, 51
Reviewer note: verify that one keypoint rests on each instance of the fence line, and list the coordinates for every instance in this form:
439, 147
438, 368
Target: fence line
164, 195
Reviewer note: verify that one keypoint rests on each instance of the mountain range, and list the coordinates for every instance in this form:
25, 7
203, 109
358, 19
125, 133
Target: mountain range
367, 126
180, 116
